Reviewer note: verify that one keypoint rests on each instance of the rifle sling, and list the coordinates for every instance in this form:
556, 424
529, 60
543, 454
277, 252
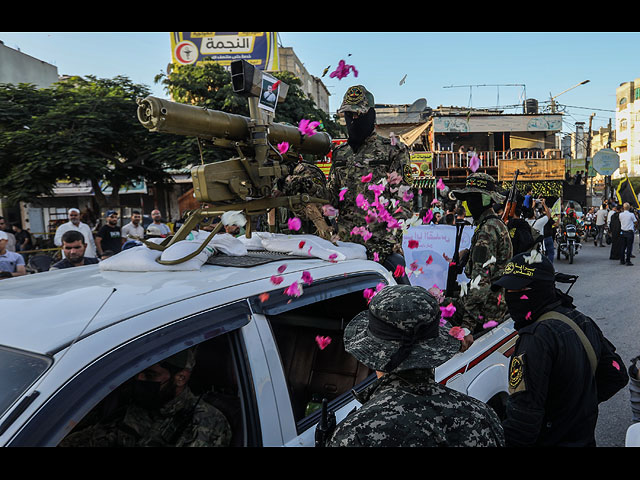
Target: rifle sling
593, 360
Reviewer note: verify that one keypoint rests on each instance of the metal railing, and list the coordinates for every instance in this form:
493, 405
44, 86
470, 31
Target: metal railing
446, 159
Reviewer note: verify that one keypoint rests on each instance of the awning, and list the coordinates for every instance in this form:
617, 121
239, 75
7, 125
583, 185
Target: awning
412, 135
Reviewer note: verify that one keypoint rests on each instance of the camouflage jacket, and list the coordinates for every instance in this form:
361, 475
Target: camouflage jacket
176, 424
409, 409
490, 251
357, 204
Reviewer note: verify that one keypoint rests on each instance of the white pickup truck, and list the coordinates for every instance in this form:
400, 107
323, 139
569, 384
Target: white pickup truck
70, 339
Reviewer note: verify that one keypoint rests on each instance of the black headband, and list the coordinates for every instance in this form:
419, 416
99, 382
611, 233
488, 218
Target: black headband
384, 331
481, 183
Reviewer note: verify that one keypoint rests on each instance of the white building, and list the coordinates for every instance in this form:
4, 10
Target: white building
627, 142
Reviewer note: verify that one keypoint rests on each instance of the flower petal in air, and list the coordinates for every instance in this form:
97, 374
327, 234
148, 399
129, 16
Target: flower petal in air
399, 271
294, 223
429, 260
342, 193
276, 279
440, 185
293, 290
427, 217
306, 277
322, 341
283, 147
457, 332
490, 324
263, 297
474, 163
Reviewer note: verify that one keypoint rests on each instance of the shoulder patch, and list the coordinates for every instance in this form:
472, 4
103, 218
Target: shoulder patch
407, 175
516, 375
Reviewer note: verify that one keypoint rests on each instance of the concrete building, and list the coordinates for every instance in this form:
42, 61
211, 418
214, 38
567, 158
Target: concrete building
312, 86
627, 142
17, 67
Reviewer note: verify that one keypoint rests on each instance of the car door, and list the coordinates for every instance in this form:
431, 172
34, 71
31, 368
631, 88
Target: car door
302, 337
66, 400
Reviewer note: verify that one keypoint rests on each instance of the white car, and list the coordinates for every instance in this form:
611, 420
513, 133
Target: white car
71, 339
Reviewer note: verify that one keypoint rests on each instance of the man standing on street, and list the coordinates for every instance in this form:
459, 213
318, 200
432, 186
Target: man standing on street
109, 237
601, 223
553, 399
11, 239
400, 337
74, 248
11, 263
627, 225
134, 228
74, 223
156, 216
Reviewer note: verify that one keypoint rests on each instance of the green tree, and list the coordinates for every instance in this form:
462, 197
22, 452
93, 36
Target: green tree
80, 129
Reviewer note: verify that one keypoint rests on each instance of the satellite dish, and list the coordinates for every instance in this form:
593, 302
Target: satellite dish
418, 106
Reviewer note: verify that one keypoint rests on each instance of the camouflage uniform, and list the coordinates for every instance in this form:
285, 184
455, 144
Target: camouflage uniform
400, 335
184, 421
378, 157
490, 240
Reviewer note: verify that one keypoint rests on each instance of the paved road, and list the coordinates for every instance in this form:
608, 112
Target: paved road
609, 293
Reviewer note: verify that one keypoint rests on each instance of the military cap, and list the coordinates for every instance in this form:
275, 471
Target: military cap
523, 269
480, 183
185, 359
400, 331
357, 99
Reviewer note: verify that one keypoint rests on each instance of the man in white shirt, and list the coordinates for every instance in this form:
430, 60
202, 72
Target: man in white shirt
156, 216
74, 223
601, 222
134, 228
627, 225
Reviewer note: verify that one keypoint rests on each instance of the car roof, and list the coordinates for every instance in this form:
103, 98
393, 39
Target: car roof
45, 311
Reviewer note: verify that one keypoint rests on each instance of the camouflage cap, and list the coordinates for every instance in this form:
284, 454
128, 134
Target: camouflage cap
306, 178
400, 331
480, 183
185, 359
357, 99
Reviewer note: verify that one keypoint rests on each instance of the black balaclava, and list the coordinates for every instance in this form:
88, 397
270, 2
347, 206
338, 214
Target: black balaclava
359, 128
477, 204
526, 306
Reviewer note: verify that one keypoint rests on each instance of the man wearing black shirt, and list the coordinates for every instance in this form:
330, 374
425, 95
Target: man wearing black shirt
109, 236
74, 246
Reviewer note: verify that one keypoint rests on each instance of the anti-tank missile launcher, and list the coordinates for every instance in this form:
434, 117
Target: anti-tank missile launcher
244, 181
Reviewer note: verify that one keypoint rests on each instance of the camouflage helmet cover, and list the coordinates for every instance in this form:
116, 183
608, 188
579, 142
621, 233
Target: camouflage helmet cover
480, 183
394, 317
357, 99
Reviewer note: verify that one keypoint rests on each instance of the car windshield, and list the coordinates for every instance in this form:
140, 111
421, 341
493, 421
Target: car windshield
18, 370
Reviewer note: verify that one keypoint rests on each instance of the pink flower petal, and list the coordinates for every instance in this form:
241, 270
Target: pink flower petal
332, 257
440, 185
448, 311
413, 244
376, 257
294, 223
301, 244
457, 332
615, 365
368, 293
329, 211
293, 290
399, 271
490, 324
527, 316
282, 268
427, 217
323, 341
283, 147
263, 297
429, 260
474, 163
306, 277
524, 297
276, 279
367, 178
342, 193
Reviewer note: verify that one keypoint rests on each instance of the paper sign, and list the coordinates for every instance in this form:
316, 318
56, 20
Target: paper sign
434, 241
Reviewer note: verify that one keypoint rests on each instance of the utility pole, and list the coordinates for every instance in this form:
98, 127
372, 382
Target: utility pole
607, 179
588, 156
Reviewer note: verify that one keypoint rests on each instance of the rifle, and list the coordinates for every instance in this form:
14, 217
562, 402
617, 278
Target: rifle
510, 206
454, 268
243, 182
326, 425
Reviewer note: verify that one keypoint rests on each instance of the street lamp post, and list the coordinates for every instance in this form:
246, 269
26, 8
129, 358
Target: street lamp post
553, 99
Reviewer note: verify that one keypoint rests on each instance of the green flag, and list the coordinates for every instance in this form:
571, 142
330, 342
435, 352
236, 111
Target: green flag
557, 208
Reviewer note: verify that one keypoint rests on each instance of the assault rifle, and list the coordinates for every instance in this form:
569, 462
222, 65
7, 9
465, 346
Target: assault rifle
512, 200
244, 181
454, 265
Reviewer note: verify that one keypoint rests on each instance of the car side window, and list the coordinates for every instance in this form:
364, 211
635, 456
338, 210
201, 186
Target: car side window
191, 398
310, 344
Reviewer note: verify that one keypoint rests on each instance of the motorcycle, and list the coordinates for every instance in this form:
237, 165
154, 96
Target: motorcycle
568, 242
589, 229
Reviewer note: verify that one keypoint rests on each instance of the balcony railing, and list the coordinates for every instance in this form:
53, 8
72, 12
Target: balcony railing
446, 159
